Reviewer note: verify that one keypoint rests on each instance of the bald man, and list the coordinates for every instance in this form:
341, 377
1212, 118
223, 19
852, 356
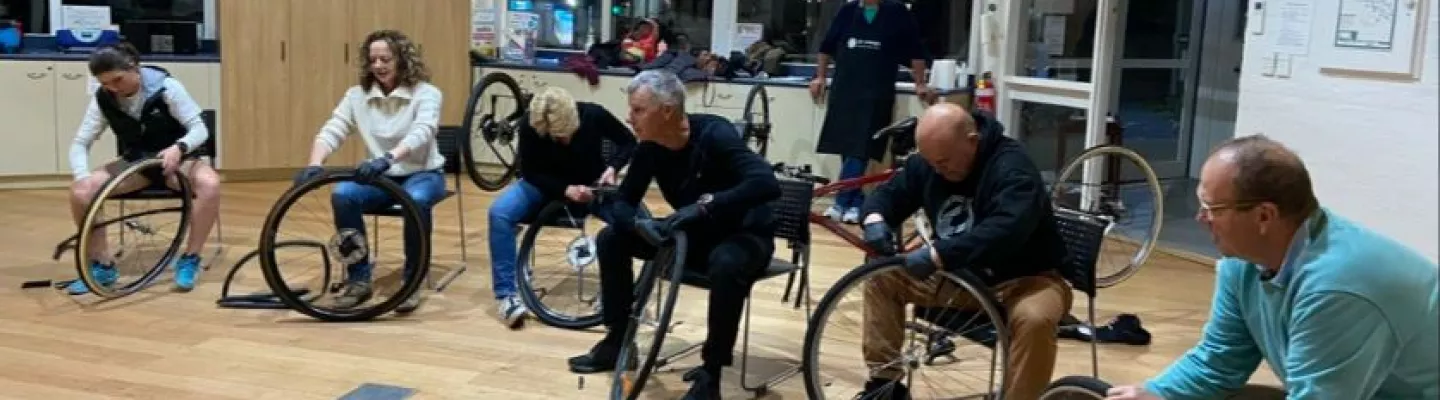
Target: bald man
991, 216
1337, 311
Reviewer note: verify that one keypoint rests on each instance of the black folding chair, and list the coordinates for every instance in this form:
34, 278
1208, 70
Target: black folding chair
447, 138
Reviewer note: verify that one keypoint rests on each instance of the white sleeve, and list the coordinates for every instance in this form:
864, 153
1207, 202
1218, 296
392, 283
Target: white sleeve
427, 118
340, 124
93, 124
184, 109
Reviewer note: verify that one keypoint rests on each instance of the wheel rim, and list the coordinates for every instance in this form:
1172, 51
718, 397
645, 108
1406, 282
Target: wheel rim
557, 268
150, 247
1134, 204
494, 108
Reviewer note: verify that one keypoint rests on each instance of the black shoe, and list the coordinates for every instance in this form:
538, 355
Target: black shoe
882, 389
703, 386
601, 358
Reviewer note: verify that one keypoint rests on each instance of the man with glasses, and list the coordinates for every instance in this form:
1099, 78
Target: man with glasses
1336, 310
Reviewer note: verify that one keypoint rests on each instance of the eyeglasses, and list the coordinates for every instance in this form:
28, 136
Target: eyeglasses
1211, 209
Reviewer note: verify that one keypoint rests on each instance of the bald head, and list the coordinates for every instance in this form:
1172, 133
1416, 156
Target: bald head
1260, 169
945, 136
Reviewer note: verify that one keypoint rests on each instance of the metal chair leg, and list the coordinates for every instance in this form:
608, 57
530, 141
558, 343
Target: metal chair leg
772, 380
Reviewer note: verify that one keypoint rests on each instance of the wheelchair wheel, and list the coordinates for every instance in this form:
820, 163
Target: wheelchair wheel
755, 126
834, 364
284, 265
669, 261
138, 261
495, 108
1123, 189
1076, 387
557, 271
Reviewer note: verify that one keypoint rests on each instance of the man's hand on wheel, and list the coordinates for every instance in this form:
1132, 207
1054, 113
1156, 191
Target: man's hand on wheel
879, 238
309, 173
920, 263
170, 159
684, 217
1130, 393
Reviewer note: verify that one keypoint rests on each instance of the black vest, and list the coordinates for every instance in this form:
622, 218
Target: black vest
154, 131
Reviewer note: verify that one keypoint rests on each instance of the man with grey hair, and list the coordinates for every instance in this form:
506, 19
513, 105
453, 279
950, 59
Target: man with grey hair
720, 191
1337, 311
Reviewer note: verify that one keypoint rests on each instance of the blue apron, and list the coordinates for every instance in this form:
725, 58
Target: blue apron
862, 95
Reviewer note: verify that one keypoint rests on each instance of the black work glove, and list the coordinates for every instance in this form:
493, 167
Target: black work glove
685, 216
879, 238
919, 263
373, 168
308, 174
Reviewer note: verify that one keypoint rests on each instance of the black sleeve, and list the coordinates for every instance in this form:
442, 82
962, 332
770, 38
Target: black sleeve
837, 29
539, 170
911, 45
632, 189
757, 181
899, 197
618, 134
1014, 209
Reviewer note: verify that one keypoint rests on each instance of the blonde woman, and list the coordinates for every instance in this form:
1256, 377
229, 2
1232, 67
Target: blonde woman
398, 108
560, 142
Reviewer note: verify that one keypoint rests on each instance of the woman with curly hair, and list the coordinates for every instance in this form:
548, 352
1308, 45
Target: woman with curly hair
397, 108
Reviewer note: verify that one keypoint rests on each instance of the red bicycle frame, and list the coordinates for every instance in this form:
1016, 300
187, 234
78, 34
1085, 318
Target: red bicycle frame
839, 230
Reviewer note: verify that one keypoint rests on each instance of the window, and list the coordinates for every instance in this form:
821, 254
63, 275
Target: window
33, 15
125, 10
799, 25
688, 22
565, 24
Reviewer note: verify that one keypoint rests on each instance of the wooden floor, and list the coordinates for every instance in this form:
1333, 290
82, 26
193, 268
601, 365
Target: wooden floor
165, 345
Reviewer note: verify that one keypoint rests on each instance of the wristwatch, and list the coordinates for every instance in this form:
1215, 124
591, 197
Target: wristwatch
705, 199
184, 148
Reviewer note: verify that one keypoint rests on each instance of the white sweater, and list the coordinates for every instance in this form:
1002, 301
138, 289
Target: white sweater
407, 117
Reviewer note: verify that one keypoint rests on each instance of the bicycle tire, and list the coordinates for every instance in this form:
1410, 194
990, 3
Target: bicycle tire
1076, 387
82, 262
469, 125
528, 295
1158, 199
622, 386
282, 291
759, 132
814, 387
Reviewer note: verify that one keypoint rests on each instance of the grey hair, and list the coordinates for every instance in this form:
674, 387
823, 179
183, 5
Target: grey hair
664, 85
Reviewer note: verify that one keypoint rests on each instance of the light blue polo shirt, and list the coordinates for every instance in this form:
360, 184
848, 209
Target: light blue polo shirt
1351, 315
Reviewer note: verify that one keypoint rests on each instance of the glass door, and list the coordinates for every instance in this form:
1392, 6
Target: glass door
1052, 74
1155, 80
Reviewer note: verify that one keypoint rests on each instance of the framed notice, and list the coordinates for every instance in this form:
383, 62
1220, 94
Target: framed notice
1374, 37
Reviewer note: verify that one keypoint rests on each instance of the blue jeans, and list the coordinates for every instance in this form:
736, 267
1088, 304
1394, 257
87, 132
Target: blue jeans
513, 204
851, 168
350, 200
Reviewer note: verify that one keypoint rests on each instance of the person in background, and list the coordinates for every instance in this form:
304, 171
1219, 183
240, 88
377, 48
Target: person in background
561, 142
720, 190
152, 115
1337, 311
869, 40
395, 106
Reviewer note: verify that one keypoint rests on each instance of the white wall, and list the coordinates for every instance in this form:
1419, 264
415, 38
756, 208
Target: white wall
1370, 144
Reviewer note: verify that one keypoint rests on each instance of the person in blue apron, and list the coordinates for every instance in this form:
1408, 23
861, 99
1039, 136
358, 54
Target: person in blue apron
869, 40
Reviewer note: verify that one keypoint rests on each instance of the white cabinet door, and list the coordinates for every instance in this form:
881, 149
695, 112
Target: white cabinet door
29, 117
72, 93
196, 78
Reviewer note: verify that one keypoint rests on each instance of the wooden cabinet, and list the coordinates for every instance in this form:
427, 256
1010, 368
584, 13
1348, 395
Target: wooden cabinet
29, 116
288, 62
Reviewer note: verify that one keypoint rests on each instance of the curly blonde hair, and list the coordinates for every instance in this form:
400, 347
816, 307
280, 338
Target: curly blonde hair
553, 113
408, 60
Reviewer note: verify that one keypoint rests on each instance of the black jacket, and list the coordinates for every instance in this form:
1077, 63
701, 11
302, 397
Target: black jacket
715, 161
551, 166
998, 223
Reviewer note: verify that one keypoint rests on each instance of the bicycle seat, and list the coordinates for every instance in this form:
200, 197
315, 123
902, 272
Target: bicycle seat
899, 129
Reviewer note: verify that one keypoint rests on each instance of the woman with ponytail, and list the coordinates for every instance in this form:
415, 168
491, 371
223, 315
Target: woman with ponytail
152, 115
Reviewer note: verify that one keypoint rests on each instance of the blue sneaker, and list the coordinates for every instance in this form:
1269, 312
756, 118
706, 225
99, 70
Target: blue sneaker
104, 274
185, 269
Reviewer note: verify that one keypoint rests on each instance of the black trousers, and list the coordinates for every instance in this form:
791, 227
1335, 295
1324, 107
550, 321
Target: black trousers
732, 261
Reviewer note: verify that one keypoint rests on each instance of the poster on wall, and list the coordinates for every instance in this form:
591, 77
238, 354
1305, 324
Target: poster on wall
520, 35
484, 27
1366, 24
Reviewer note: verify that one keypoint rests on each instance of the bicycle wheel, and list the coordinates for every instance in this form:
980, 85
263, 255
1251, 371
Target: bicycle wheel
1128, 194
755, 129
669, 261
929, 333
139, 261
348, 246
562, 290
493, 130
1076, 387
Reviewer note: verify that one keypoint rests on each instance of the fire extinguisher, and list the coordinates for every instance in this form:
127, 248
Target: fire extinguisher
985, 93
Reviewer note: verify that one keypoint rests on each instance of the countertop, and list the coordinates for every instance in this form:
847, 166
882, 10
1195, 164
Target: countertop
39, 55
790, 81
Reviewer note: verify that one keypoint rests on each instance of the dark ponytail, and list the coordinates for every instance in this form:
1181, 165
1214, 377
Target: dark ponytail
119, 56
